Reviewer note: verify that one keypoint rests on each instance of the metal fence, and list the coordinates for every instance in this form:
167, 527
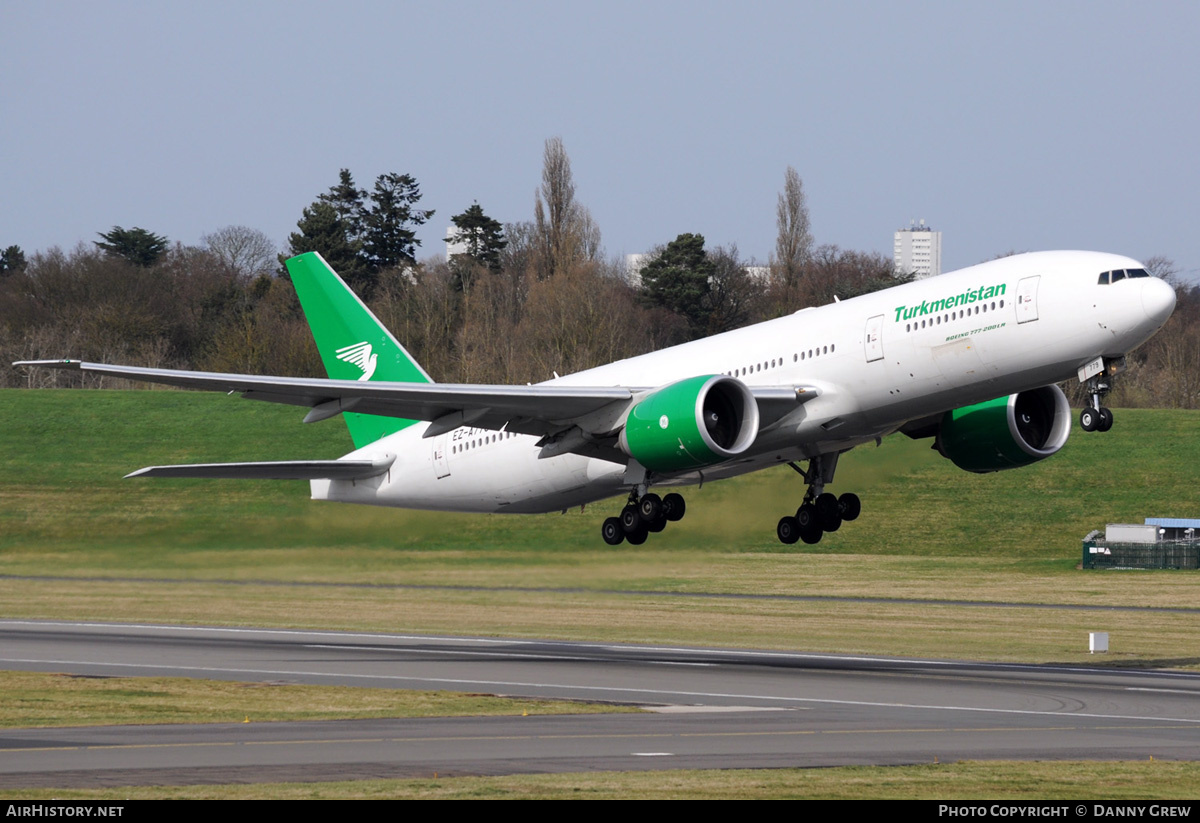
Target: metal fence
1166, 554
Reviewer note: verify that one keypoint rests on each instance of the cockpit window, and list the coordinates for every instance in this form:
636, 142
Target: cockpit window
1120, 274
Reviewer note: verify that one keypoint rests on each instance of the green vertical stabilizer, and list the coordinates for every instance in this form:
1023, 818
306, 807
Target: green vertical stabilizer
353, 344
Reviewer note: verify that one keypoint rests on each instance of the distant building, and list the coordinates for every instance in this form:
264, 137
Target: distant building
918, 249
634, 263
453, 248
1158, 543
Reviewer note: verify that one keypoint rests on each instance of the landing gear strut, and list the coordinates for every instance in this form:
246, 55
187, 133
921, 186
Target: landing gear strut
820, 511
643, 514
1096, 377
1095, 417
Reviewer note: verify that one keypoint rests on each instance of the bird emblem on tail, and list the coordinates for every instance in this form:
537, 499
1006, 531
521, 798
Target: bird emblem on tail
359, 354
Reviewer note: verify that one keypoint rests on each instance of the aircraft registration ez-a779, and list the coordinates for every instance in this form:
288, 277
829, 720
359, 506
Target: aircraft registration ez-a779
969, 358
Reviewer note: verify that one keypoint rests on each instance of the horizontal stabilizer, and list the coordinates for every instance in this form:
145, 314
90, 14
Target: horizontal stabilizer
279, 470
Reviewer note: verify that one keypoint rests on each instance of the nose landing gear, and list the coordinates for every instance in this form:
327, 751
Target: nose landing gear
1093, 416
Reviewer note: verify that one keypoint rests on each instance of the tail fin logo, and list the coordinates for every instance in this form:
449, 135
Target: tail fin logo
359, 354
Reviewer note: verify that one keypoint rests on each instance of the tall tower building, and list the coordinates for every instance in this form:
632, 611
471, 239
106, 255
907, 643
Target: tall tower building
918, 249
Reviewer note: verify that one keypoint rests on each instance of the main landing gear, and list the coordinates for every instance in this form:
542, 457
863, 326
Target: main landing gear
1095, 417
643, 514
820, 511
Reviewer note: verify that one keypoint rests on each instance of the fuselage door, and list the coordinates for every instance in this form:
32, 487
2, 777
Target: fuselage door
1027, 299
441, 465
875, 338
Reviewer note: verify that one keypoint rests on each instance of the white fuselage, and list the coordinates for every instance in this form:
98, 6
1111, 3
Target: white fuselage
878, 361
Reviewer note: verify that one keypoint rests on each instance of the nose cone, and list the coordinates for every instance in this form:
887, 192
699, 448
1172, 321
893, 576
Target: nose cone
1158, 299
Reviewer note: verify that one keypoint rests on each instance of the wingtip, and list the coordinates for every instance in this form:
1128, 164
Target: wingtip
65, 363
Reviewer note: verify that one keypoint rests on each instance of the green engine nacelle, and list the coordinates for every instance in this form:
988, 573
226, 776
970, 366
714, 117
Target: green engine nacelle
691, 424
1006, 432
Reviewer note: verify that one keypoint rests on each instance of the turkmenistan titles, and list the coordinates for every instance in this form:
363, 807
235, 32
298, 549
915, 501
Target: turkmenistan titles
934, 306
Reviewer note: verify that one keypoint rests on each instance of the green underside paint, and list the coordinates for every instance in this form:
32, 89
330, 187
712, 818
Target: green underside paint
977, 438
342, 324
677, 445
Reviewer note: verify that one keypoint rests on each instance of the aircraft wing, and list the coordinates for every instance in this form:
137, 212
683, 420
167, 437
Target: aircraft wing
413, 401
537, 410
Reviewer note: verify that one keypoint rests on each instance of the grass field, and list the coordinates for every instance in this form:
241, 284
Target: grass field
64, 453
79, 542
1157, 780
35, 699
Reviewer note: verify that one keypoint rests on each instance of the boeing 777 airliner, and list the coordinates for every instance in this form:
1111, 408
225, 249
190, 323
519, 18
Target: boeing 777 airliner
969, 358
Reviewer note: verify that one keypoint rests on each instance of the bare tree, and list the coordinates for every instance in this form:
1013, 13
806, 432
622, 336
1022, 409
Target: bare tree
735, 294
1164, 267
565, 230
246, 251
577, 320
794, 243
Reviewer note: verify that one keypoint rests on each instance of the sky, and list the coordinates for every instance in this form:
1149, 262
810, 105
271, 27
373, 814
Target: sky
1014, 126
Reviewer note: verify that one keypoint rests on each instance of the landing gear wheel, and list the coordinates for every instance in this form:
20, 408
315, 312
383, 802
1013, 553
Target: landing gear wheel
829, 515
821, 511
788, 530
656, 525
631, 521
637, 537
1088, 420
1106, 420
612, 532
850, 506
674, 506
650, 507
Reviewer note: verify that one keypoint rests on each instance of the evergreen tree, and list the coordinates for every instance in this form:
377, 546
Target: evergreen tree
323, 231
389, 239
679, 279
12, 260
360, 241
138, 246
347, 200
482, 236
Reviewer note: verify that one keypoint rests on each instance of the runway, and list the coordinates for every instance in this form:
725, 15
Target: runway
716, 708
